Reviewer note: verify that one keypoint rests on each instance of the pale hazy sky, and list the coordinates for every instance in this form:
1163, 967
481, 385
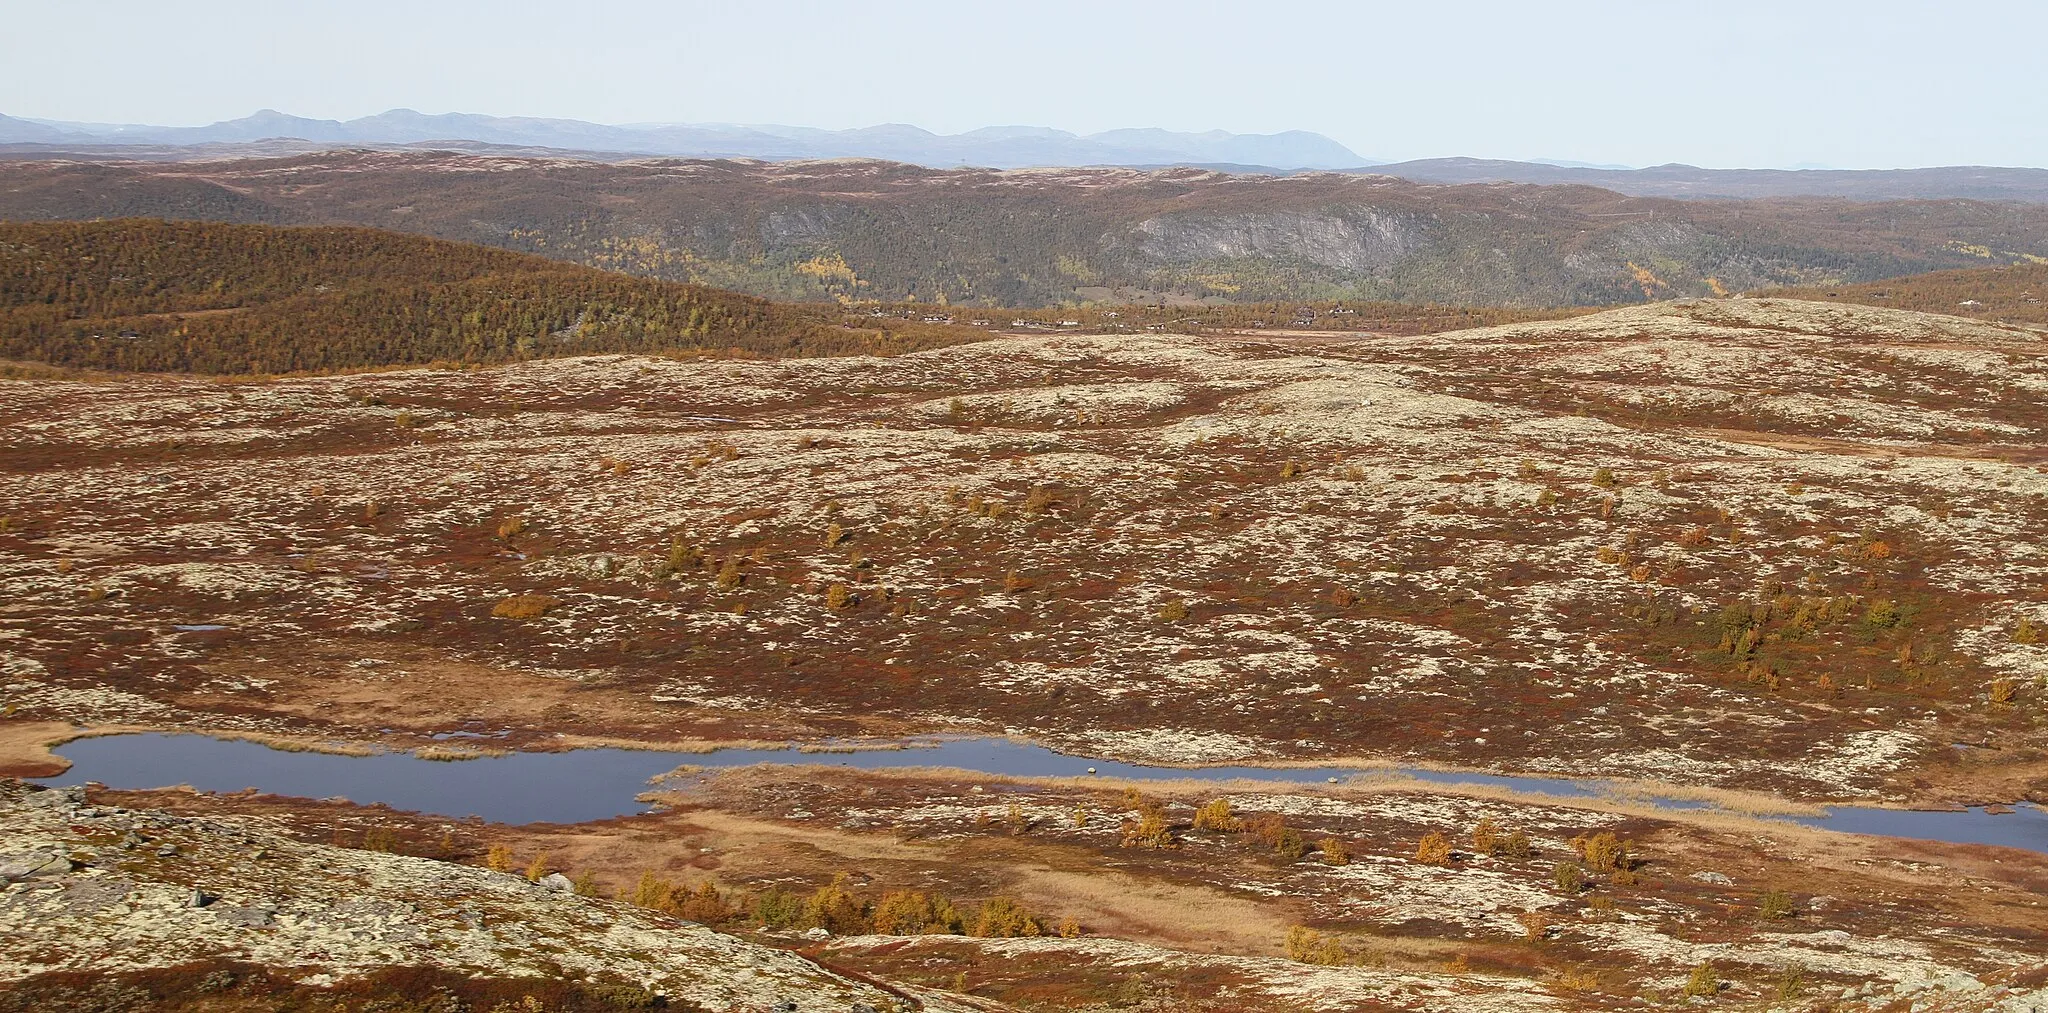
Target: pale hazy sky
1735, 83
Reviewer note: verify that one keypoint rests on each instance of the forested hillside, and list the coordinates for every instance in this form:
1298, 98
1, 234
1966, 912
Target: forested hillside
141, 294
2011, 294
864, 231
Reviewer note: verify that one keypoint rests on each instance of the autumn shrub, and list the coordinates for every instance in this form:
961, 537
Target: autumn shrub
2025, 632
1604, 852
1774, 905
1704, 982
1039, 500
1535, 925
729, 575
510, 528
1308, 946
1883, 613
498, 859
1343, 597
2002, 692
835, 908
1486, 837
777, 908
1604, 478
682, 555
1577, 979
1433, 849
1004, 918
1789, 983
912, 913
537, 869
1271, 829
1149, 829
1333, 852
524, 606
1217, 816
839, 596
702, 904
1173, 610
1515, 845
1568, 878
585, 884
650, 892
834, 534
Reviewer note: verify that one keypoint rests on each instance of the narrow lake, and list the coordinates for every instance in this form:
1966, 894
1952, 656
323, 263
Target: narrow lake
593, 784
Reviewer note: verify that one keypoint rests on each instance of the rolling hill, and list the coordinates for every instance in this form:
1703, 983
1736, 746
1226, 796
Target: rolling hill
2010, 294
139, 294
867, 230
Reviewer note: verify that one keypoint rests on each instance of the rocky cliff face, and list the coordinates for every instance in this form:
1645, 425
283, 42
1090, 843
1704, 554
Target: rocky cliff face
1359, 239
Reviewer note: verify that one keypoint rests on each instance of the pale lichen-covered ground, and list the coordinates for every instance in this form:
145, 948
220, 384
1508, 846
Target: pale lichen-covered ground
105, 889
1874, 919
1534, 547
1782, 547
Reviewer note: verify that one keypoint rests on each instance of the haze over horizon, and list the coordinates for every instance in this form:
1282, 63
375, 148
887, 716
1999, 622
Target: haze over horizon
1760, 85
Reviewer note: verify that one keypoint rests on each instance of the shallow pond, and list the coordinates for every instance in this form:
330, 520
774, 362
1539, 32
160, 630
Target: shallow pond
593, 784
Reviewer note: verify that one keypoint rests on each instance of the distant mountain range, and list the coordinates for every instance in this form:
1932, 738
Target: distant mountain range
269, 134
994, 147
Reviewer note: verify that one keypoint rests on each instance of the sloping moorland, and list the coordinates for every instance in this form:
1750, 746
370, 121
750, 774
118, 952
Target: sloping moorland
1771, 546
2010, 294
863, 230
140, 294
1807, 529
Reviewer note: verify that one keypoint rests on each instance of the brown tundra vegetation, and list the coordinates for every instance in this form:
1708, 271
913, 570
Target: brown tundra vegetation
1767, 552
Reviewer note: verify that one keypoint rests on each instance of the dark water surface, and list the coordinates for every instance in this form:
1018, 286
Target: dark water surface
594, 784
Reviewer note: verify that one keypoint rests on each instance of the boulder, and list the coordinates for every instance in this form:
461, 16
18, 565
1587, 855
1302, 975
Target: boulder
55, 798
559, 883
50, 863
253, 916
